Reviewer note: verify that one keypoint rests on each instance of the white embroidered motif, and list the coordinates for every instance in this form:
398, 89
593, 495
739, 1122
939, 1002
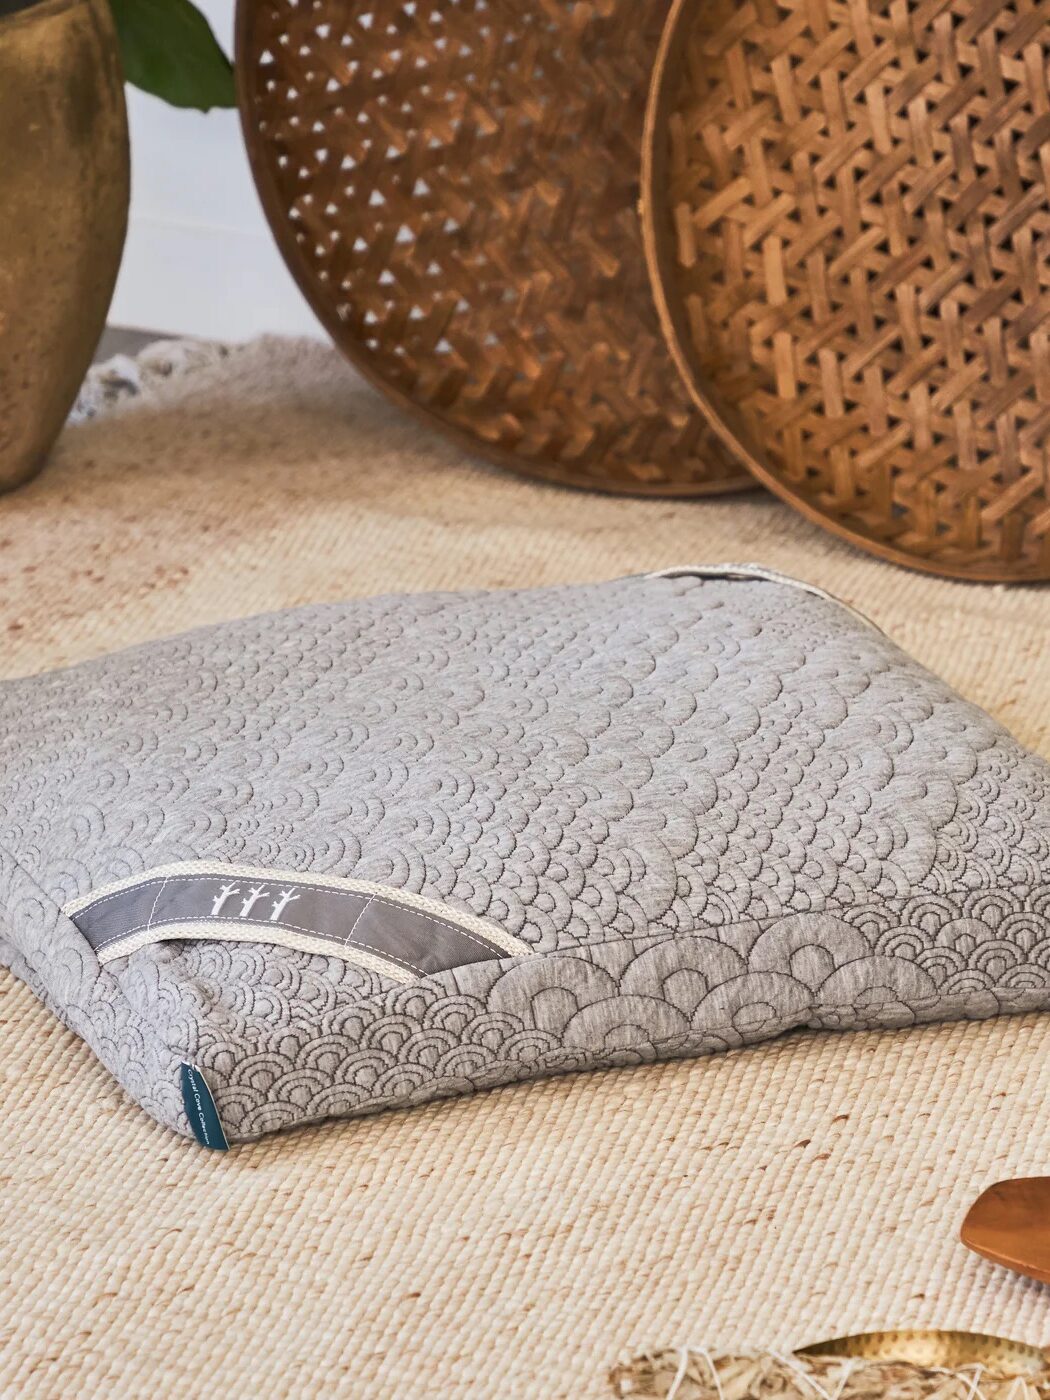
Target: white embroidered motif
254, 895
220, 899
285, 898
280, 901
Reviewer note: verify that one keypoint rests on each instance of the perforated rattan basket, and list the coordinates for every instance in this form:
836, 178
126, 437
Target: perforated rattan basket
455, 188
848, 226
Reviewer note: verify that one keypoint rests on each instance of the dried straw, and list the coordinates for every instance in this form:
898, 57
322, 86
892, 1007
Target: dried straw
690, 1373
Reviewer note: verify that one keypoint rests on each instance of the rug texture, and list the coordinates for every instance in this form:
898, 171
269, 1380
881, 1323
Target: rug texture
521, 1242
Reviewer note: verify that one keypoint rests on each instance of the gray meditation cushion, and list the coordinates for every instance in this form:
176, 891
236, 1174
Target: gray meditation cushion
368, 854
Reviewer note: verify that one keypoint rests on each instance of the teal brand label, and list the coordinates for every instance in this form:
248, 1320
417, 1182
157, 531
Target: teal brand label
201, 1110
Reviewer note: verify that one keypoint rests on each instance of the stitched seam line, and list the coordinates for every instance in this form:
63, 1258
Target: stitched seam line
156, 901
663, 933
360, 915
150, 1033
830, 906
660, 934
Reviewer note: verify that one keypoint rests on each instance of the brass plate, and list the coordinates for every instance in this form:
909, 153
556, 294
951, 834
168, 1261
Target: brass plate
948, 1349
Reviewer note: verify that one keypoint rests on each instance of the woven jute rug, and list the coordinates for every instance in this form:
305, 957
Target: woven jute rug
522, 1242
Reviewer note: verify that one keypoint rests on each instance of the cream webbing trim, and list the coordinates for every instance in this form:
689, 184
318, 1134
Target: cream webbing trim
436, 908
758, 571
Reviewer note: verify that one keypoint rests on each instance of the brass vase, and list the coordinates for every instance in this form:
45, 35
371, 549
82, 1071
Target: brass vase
64, 184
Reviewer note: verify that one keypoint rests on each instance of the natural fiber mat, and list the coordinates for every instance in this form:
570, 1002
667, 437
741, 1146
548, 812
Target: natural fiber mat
455, 188
846, 220
518, 1243
690, 1374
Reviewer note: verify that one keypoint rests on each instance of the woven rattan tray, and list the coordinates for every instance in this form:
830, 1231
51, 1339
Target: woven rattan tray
847, 221
455, 188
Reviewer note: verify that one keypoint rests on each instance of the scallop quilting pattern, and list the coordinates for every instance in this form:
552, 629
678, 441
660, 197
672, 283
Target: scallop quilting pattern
716, 808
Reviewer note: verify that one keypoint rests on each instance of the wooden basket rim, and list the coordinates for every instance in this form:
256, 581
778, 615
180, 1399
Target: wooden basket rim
656, 237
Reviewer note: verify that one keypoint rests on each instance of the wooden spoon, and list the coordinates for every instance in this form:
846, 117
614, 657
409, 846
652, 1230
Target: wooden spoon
1010, 1224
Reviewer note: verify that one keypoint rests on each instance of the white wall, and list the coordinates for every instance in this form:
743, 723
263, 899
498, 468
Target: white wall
199, 258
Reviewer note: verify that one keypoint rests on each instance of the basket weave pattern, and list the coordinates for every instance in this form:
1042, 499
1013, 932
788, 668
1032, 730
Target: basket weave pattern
455, 187
848, 223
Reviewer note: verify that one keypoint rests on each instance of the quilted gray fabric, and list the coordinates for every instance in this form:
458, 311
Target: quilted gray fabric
712, 808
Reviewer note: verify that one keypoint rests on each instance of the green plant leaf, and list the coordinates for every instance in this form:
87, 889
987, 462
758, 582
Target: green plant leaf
169, 49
